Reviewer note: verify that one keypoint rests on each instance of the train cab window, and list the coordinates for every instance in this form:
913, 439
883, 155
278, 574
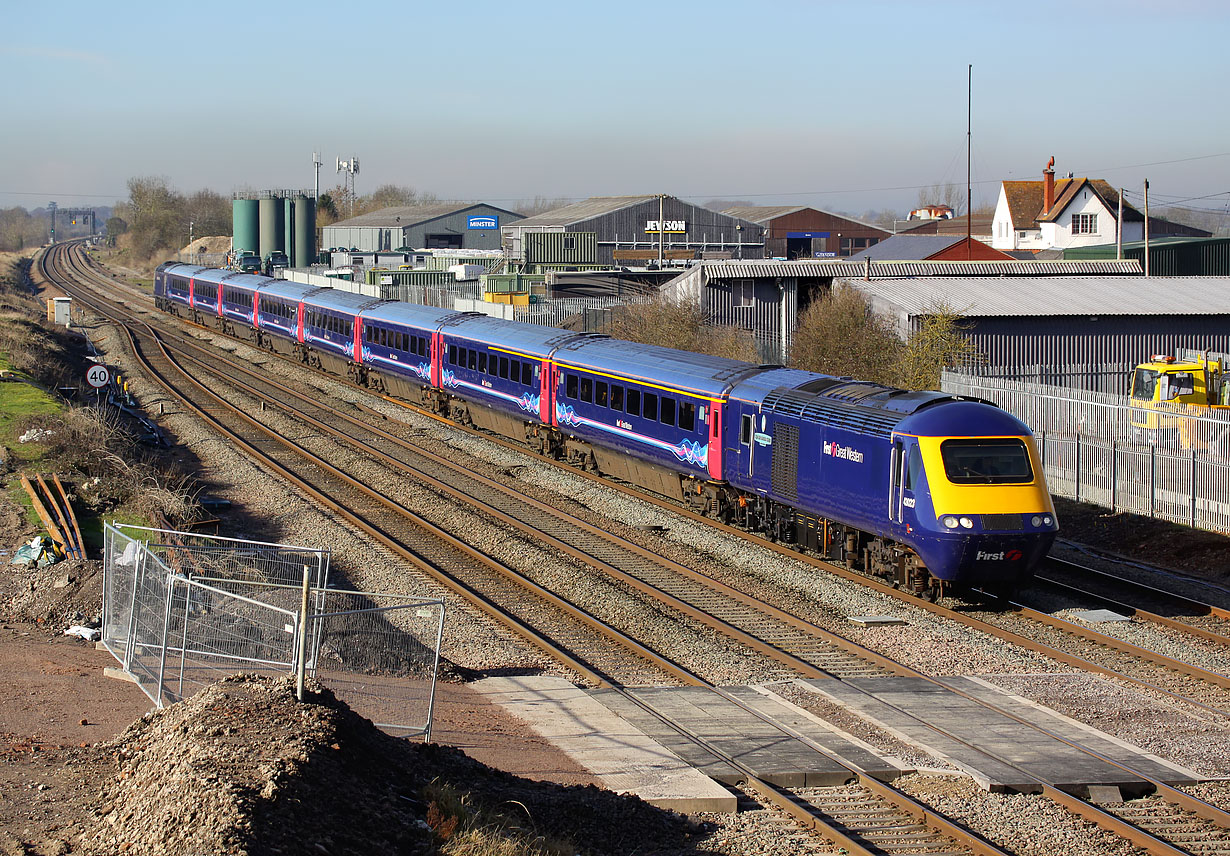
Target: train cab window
600, 394
986, 461
687, 416
617, 397
650, 408
913, 472
504, 367
745, 429
634, 402
527, 373
570, 386
587, 389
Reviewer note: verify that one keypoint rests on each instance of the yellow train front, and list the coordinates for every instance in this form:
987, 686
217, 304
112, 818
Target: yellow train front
968, 494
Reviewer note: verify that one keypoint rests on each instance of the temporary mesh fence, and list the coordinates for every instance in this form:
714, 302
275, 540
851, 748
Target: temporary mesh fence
182, 610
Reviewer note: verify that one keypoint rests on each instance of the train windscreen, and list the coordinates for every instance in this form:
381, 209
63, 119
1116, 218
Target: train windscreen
986, 461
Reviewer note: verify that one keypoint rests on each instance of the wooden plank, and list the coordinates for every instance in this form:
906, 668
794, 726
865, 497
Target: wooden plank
41, 511
72, 515
70, 548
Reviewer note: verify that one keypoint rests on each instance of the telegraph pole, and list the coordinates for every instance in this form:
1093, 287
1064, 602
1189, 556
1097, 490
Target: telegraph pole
1146, 227
51, 206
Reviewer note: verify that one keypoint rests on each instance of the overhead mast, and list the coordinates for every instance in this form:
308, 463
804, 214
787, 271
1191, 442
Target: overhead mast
969, 147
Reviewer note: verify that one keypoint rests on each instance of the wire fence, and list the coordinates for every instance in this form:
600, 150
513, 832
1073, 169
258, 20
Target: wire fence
182, 610
1168, 461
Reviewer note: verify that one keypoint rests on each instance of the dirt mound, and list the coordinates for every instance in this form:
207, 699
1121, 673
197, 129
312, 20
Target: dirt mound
242, 767
212, 244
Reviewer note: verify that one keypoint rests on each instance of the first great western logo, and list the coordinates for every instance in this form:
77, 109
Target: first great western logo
836, 450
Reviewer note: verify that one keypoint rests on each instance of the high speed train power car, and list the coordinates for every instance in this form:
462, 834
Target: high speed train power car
925, 490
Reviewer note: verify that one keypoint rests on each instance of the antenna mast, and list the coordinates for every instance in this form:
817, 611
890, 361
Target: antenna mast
969, 146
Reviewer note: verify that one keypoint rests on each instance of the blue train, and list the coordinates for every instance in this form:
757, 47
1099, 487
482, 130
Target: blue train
922, 489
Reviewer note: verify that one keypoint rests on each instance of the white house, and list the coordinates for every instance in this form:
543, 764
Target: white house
1070, 212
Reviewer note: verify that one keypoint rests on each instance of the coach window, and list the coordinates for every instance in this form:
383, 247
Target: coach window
650, 409
634, 402
587, 389
527, 374
422, 343
687, 416
668, 411
504, 367
452, 354
482, 362
601, 396
570, 386
473, 359
617, 397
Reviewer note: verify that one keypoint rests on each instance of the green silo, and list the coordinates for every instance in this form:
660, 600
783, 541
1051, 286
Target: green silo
245, 219
288, 222
273, 229
305, 231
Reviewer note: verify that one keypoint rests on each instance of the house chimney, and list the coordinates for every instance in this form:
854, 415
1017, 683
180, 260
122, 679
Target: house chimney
1048, 183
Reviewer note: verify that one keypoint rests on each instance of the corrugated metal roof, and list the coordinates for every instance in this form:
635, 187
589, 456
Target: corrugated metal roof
586, 209
1050, 296
410, 215
762, 213
907, 248
765, 267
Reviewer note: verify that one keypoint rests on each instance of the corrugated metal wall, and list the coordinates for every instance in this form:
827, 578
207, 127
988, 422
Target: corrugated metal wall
1040, 348
756, 305
706, 230
456, 224
549, 247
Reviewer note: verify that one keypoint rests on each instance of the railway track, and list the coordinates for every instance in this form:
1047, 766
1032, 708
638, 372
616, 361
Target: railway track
662, 580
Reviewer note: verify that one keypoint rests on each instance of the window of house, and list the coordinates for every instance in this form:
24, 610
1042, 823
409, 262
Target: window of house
1084, 224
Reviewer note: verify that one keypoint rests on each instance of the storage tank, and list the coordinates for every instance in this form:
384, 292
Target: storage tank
245, 229
288, 230
273, 228
305, 231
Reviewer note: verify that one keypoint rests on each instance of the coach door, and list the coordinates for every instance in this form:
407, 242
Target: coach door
896, 495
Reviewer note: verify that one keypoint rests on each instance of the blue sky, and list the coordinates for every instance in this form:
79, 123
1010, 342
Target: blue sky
843, 105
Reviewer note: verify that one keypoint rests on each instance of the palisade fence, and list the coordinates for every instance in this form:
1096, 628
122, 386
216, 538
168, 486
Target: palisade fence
182, 610
1170, 461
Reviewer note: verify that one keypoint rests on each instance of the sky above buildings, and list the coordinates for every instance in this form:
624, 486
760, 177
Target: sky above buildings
845, 106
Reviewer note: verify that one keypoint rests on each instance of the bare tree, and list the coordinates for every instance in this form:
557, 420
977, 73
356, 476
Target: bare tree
684, 326
938, 342
943, 194
838, 334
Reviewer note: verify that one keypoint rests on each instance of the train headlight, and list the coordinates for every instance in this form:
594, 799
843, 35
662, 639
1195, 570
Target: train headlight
1040, 520
1047, 519
967, 523
950, 522
1036, 521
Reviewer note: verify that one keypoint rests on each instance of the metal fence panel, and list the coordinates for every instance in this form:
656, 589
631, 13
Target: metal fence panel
1094, 449
209, 633
379, 652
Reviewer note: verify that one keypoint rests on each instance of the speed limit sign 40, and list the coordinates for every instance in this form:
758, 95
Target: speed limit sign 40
98, 376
